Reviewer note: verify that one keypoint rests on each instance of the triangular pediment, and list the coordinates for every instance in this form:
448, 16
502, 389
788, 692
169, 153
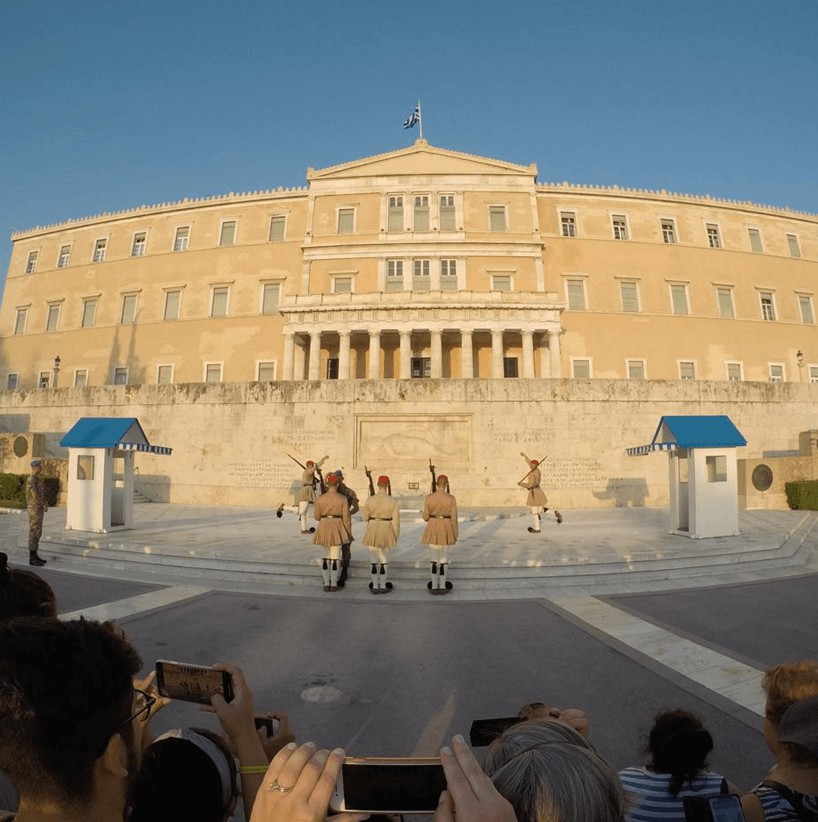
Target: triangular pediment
421, 158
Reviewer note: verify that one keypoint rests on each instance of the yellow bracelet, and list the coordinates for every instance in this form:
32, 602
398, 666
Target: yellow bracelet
253, 769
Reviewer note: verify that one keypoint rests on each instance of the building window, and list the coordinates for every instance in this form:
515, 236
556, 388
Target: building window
620, 227
332, 368
80, 378
173, 300
65, 254
497, 218
346, 220
139, 241
447, 215
733, 371
53, 321
342, 285
45, 379
713, 237
181, 239
636, 369
120, 376
716, 467
678, 298
501, 282
218, 301
792, 244
164, 374
270, 297
421, 367
277, 225
20, 321
12, 381
805, 304
420, 275
568, 223
813, 373
630, 296
89, 313
394, 275
85, 467
755, 240
213, 372
725, 299
510, 367
99, 250
448, 275
581, 369
394, 220
668, 231
266, 371
767, 306
128, 314
31, 263
227, 234
575, 290
421, 213
687, 370
776, 372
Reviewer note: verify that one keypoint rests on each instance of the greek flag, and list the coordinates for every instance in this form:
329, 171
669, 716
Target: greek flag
415, 118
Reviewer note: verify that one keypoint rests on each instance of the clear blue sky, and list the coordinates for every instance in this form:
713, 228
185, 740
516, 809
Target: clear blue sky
109, 105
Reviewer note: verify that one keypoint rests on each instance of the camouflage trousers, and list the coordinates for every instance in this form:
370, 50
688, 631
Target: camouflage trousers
35, 528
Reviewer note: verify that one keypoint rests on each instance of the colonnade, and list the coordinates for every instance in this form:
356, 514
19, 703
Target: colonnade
311, 342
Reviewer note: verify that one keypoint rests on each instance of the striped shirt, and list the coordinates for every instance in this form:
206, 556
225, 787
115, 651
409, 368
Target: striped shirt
652, 801
777, 809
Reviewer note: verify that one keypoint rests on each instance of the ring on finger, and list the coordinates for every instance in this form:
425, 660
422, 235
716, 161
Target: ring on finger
274, 786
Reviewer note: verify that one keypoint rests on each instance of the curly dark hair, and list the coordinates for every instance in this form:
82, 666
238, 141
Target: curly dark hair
65, 689
24, 593
678, 744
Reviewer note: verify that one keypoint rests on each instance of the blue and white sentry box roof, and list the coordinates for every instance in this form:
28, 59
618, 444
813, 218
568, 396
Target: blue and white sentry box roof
715, 431
124, 433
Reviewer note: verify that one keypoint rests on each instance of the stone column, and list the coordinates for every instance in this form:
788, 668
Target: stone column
466, 354
405, 355
497, 353
343, 355
437, 354
545, 354
374, 355
289, 356
315, 355
528, 355
554, 348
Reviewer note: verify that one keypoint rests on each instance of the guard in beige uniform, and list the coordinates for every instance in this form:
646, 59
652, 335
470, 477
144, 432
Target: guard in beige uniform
536, 496
440, 514
346, 548
382, 516
307, 493
334, 529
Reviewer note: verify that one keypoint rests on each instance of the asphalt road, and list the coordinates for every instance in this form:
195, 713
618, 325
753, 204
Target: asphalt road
385, 677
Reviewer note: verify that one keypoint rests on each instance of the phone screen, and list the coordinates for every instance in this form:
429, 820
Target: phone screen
485, 731
192, 683
726, 808
393, 788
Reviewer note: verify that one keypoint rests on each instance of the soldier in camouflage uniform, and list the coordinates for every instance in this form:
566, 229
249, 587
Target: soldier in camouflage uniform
37, 506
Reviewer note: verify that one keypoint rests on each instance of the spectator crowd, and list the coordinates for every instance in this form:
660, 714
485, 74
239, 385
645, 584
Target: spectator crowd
76, 744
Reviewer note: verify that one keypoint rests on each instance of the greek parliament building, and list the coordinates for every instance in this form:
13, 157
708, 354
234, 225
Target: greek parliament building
423, 303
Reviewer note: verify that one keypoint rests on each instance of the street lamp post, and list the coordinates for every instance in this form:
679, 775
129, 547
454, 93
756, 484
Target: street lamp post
56, 369
799, 356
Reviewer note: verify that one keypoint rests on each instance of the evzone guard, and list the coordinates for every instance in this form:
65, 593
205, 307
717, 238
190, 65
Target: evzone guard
382, 516
331, 510
536, 499
310, 477
440, 515
346, 548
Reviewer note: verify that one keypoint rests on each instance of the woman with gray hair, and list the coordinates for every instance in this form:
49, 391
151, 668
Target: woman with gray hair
550, 773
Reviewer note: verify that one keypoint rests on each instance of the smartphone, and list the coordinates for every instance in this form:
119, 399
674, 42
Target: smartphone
485, 731
266, 722
389, 785
192, 683
721, 808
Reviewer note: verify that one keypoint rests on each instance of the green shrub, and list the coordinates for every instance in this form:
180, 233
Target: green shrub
13, 490
802, 496
51, 490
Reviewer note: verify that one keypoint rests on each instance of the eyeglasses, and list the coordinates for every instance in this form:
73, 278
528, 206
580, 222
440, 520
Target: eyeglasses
144, 711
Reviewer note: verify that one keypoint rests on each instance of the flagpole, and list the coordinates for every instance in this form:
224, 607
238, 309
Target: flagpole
420, 121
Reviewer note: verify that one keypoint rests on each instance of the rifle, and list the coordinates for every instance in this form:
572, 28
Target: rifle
320, 480
296, 461
434, 478
371, 485
534, 469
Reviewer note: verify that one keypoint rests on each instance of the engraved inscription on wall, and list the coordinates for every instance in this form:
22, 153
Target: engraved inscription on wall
405, 441
573, 472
